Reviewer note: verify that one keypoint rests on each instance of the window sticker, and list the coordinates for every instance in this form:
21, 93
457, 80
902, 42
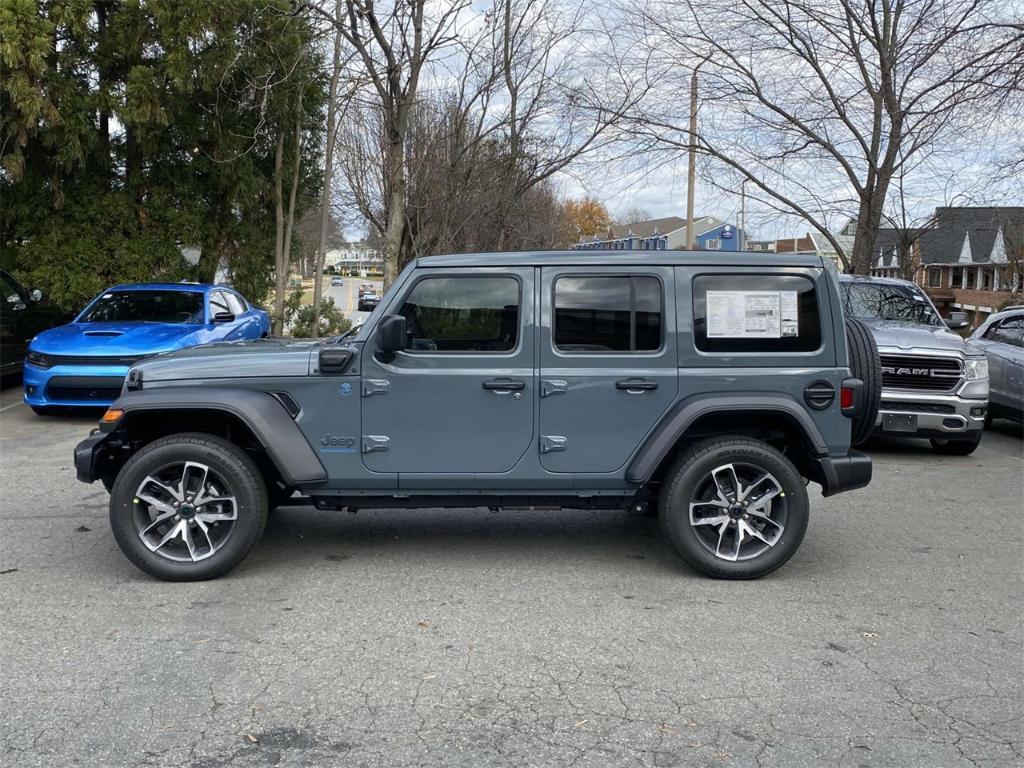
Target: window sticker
752, 314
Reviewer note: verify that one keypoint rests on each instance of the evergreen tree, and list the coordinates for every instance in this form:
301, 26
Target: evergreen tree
130, 129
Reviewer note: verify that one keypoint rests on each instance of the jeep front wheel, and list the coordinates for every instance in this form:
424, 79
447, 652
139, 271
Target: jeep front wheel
188, 507
734, 508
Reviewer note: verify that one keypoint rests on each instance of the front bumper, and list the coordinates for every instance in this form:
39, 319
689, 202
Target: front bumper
88, 457
843, 473
929, 414
79, 386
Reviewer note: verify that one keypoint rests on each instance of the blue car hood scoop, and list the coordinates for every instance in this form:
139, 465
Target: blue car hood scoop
103, 333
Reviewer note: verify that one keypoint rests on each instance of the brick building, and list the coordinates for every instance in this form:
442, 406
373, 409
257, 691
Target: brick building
970, 259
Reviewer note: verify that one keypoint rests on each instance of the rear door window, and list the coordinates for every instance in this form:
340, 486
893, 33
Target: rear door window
608, 314
755, 313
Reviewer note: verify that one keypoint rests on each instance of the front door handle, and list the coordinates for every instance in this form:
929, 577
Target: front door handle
636, 386
504, 385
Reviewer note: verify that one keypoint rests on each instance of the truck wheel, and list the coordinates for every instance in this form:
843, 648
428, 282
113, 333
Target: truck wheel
959, 447
188, 507
866, 365
734, 508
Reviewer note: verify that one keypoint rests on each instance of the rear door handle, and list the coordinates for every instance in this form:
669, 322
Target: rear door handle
636, 386
504, 385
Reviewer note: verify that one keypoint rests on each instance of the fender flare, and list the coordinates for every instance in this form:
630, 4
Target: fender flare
262, 413
676, 422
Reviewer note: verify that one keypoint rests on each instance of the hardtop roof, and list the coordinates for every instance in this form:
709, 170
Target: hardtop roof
612, 258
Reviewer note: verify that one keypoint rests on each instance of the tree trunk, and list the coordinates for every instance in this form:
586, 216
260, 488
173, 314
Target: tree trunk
393, 234
280, 263
325, 202
869, 218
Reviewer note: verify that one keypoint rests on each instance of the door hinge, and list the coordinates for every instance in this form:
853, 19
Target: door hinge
375, 387
553, 387
374, 443
552, 443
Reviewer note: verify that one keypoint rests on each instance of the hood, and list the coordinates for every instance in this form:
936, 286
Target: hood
259, 358
899, 334
113, 338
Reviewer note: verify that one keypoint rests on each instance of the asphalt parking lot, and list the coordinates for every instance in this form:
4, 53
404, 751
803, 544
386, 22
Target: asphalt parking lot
409, 638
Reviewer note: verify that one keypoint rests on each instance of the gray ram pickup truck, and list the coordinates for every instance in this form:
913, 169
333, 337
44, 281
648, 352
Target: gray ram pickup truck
934, 383
703, 387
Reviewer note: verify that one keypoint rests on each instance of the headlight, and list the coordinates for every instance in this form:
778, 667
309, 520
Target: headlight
976, 368
38, 359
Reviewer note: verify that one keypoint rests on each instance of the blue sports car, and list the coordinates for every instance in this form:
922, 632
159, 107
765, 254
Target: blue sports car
84, 363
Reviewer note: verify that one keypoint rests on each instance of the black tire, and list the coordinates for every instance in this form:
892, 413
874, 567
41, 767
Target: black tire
866, 365
958, 447
238, 473
691, 471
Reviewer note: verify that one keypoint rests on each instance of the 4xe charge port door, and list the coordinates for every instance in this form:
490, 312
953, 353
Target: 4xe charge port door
459, 399
608, 364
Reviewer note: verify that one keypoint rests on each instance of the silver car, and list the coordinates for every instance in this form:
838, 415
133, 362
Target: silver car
1002, 337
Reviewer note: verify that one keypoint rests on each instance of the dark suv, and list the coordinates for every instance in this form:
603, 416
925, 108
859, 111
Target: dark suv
707, 388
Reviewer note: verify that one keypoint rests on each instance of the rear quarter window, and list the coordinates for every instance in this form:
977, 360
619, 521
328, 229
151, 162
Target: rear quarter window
755, 313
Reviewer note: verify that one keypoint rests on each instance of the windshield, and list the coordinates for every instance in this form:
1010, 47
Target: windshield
888, 301
145, 306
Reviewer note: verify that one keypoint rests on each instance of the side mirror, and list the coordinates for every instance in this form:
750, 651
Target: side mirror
36, 295
391, 335
223, 317
957, 320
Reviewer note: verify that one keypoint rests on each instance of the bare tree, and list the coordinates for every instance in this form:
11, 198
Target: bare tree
819, 105
393, 44
632, 215
335, 112
519, 97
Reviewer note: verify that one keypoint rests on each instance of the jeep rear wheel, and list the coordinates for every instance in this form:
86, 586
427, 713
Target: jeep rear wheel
734, 508
188, 507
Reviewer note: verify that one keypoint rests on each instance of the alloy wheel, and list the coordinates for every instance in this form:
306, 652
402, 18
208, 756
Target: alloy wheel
184, 512
738, 511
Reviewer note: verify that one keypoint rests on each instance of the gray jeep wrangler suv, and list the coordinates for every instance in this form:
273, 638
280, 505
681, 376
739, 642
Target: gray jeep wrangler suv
707, 388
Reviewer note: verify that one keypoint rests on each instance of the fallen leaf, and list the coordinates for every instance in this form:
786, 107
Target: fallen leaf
580, 723
423, 624
252, 738
869, 635
665, 730
429, 676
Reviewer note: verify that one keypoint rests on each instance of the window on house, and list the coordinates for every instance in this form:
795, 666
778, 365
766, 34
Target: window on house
986, 280
934, 277
713, 244
956, 277
463, 314
608, 314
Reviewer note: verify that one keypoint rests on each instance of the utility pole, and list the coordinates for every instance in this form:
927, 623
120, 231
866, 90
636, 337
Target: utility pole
691, 173
743, 215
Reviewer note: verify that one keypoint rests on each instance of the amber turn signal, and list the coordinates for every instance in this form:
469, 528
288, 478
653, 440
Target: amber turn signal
112, 415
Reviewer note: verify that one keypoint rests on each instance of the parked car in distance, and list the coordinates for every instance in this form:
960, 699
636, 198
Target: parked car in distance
934, 384
366, 288
1002, 338
23, 314
368, 302
709, 387
83, 364
336, 280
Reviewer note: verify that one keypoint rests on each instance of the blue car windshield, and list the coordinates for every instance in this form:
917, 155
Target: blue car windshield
888, 301
146, 306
